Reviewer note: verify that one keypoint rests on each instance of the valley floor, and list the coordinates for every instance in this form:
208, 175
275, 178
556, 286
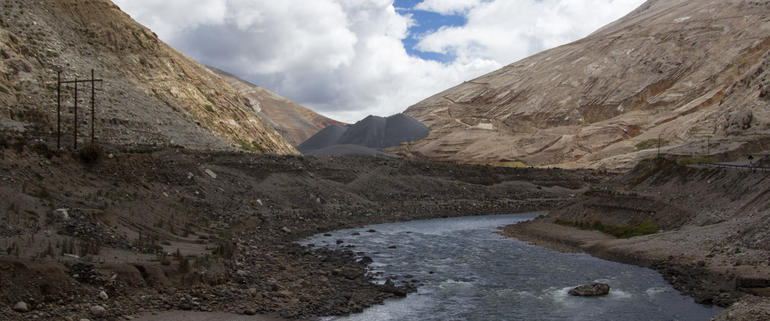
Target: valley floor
138, 231
117, 233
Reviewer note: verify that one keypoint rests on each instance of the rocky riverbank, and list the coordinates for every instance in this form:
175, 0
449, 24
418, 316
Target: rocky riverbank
712, 238
173, 229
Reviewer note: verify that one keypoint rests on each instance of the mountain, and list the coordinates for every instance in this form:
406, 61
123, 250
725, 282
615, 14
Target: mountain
372, 132
151, 95
295, 122
692, 75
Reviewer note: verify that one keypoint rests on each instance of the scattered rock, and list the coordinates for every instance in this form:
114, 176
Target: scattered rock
286, 229
391, 287
63, 213
21, 306
595, 289
98, 310
103, 295
210, 173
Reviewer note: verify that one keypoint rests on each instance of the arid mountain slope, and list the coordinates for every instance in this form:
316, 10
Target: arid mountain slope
152, 94
295, 122
689, 72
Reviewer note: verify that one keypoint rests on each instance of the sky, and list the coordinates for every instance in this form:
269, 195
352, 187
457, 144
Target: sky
347, 59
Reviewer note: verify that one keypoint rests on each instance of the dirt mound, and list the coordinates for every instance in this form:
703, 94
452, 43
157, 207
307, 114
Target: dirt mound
372, 132
326, 137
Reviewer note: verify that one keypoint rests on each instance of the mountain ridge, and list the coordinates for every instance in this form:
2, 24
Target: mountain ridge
669, 69
152, 94
296, 123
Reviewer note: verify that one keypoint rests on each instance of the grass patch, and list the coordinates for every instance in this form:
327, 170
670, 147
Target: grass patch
695, 160
650, 144
510, 164
249, 146
90, 154
621, 231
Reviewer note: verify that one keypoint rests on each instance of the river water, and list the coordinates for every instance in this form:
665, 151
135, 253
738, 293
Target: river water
468, 272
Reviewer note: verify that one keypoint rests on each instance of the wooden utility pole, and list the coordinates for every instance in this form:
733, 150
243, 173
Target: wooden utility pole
58, 110
93, 102
59, 82
76, 114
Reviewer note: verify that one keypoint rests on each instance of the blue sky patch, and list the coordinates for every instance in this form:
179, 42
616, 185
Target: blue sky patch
426, 22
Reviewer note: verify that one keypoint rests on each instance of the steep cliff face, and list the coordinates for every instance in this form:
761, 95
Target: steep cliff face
294, 122
687, 72
151, 95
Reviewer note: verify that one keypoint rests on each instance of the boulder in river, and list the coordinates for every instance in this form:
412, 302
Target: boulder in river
594, 289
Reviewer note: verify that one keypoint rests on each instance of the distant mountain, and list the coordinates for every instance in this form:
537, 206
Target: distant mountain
151, 95
693, 74
372, 132
295, 122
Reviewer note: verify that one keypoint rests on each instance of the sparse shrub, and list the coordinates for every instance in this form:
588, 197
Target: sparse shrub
224, 250
43, 150
90, 154
209, 108
621, 231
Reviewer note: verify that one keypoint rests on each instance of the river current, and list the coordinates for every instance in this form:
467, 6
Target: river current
469, 272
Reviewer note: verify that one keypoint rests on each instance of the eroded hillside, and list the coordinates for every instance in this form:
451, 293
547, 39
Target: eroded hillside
295, 122
693, 74
151, 95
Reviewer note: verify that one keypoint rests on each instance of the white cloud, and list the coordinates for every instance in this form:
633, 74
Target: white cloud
447, 6
345, 58
506, 31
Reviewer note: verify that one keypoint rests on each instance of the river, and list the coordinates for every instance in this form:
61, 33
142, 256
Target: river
466, 271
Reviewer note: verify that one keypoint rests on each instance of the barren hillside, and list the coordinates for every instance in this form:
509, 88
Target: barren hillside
295, 122
688, 72
151, 95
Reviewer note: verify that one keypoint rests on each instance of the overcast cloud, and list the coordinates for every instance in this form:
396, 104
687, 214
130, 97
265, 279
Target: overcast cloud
345, 58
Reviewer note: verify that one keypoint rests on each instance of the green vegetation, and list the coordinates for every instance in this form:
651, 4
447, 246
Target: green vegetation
90, 154
695, 160
249, 146
511, 164
209, 108
621, 231
650, 143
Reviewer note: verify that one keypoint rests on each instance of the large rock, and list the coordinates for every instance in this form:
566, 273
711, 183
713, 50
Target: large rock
21, 306
594, 289
98, 311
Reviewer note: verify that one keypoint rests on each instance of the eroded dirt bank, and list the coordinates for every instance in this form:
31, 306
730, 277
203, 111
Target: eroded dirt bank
713, 243
172, 229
